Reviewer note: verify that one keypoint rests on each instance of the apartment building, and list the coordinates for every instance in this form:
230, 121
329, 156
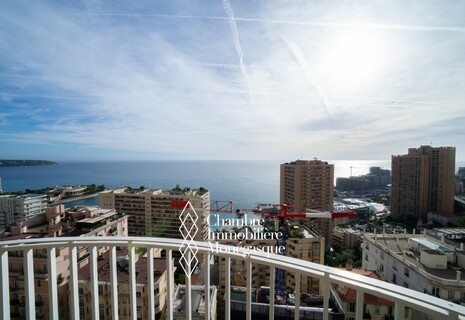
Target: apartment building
374, 307
198, 308
430, 263
15, 209
151, 212
347, 237
56, 223
302, 243
309, 185
142, 287
423, 181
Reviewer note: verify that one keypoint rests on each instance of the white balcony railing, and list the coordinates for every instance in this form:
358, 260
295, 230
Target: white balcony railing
402, 297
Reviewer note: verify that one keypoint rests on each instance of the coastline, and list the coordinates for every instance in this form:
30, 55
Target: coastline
89, 196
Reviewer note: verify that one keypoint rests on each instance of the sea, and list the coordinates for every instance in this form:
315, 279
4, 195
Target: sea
246, 183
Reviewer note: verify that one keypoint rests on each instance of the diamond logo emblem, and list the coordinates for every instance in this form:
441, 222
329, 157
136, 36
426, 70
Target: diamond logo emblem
188, 230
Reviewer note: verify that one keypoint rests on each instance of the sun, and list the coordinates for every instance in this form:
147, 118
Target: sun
352, 58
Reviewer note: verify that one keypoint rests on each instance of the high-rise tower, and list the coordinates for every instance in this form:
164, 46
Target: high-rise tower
309, 185
423, 181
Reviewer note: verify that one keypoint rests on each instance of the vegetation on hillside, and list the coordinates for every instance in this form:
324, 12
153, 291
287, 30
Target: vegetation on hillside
25, 163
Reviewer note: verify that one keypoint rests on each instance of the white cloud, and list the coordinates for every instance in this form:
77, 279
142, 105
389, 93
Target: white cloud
136, 79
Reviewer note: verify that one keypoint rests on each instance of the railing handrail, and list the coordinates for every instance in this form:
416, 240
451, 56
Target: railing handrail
376, 287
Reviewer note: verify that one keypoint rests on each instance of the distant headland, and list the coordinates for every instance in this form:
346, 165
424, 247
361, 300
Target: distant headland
25, 163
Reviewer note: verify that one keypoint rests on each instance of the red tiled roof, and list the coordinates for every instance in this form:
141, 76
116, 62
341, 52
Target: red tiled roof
350, 295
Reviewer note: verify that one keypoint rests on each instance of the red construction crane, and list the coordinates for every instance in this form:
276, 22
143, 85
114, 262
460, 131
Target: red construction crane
270, 210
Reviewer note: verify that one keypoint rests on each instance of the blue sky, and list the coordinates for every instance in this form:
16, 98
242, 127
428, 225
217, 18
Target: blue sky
124, 80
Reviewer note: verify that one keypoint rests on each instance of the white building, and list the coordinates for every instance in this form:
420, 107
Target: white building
21, 208
418, 261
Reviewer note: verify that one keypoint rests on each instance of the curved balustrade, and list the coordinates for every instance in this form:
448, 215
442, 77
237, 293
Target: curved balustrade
402, 297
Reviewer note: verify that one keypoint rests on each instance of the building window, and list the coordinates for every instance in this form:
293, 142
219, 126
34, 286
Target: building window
377, 309
352, 306
406, 312
406, 272
450, 295
390, 311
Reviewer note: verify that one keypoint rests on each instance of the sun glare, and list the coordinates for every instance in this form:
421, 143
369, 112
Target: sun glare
353, 58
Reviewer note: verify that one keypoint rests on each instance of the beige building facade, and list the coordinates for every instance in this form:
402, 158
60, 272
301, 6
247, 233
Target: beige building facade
56, 222
151, 212
309, 185
142, 287
423, 181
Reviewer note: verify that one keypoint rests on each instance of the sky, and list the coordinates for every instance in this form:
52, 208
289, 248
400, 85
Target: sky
208, 80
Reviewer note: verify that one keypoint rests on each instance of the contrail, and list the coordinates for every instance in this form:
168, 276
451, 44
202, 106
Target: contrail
305, 68
237, 45
407, 27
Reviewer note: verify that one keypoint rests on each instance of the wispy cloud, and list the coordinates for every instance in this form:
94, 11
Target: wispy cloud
237, 44
159, 80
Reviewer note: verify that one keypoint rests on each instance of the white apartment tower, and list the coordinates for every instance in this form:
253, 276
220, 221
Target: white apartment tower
20, 208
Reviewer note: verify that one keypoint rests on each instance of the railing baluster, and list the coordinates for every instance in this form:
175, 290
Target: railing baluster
453, 316
400, 310
52, 283
188, 287
207, 286
132, 281
272, 294
94, 294
360, 300
29, 284
151, 284
5, 285
227, 311
326, 296
114, 283
248, 298
403, 298
297, 296
73, 286
169, 285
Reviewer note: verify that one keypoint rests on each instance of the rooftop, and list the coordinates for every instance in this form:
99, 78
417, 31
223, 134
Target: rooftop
350, 295
103, 265
400, 245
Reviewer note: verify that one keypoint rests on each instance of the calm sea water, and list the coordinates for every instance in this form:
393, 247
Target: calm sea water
244, 182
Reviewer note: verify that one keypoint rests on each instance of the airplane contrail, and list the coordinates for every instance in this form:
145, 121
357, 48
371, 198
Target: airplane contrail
237, 45
407, 27
305, 70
